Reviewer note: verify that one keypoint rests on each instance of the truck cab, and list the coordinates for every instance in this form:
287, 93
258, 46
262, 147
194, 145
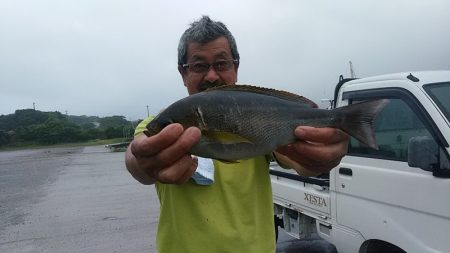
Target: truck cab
393, 199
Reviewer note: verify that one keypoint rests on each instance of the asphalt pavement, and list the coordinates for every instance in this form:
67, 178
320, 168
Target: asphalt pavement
82, 199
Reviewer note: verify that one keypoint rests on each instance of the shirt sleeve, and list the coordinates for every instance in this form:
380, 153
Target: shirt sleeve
141, 126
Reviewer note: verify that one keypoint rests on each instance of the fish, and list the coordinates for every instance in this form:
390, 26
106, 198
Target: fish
243, 121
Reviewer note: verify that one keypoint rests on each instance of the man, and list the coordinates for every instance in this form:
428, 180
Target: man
235, 213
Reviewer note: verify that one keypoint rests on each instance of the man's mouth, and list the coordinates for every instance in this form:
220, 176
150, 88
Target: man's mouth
205, 86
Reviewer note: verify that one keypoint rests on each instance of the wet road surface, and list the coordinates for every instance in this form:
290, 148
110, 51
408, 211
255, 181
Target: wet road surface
287, 244
82, 199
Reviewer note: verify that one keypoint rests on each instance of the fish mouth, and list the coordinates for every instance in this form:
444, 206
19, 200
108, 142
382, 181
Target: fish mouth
207, 85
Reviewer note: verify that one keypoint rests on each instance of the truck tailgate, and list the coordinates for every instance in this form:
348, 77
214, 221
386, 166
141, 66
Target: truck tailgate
298, 193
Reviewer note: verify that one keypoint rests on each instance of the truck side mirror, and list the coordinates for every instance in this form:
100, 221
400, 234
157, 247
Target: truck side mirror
423, 152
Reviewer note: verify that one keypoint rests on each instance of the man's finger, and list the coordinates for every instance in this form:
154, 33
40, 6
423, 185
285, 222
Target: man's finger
188, 174
148, 146
322, 135
164, 139
319, 152
175, 173
181, 146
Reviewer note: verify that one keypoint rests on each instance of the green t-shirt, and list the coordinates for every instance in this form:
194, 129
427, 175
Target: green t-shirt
234, 214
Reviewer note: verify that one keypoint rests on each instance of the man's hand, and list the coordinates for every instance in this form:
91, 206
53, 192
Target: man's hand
317, 151
163, 157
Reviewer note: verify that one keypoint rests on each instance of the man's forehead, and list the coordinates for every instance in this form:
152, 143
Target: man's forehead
216, 48
204, 55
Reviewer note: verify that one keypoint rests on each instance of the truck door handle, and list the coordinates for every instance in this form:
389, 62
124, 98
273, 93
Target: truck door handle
345, 171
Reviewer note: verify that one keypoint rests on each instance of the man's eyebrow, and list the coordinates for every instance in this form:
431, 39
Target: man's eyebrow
221, 55
196, 58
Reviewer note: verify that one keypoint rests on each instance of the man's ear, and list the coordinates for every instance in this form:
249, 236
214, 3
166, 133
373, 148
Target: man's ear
181, 70
236, 69
183, 74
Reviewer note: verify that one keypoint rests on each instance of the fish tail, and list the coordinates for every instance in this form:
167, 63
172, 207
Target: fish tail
357, 120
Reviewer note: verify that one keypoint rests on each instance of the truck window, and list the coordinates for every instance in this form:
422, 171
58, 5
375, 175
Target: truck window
393, 127
440, 92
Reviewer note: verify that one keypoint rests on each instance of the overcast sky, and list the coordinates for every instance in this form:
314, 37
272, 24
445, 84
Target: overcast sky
105, 58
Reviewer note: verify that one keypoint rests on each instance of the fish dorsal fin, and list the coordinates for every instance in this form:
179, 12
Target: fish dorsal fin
265, 91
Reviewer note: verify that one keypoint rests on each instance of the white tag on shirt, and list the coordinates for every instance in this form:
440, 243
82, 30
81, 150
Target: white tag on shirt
204, 175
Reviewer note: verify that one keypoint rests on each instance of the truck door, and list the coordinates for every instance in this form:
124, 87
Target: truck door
379, 194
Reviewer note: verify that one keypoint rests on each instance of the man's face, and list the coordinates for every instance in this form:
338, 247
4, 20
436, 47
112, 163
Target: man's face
217, 51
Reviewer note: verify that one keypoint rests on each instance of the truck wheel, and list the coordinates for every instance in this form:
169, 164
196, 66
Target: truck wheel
374, 246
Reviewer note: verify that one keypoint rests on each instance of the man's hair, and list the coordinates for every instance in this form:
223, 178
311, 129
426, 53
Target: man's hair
203, 31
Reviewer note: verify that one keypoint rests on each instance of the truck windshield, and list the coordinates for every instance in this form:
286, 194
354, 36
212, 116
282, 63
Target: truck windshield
440, 93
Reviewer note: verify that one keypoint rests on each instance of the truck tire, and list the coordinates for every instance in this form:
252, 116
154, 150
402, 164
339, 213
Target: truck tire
374, 246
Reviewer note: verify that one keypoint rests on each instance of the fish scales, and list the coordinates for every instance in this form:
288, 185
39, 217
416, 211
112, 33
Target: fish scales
240, 121
255, 117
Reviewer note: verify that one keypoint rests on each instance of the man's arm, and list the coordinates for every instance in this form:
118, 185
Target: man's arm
163, 157
317, 151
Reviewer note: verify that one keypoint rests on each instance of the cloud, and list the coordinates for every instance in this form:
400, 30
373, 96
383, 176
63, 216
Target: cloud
115, 57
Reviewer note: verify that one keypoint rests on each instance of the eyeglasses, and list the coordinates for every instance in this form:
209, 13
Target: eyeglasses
202, 67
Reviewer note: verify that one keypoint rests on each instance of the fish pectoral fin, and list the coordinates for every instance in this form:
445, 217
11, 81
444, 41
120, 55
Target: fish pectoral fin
225, 137
228, 161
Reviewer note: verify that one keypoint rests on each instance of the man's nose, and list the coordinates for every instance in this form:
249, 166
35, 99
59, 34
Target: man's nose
211, 75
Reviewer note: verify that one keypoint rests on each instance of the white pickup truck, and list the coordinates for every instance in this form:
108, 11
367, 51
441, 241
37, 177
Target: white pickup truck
394, 199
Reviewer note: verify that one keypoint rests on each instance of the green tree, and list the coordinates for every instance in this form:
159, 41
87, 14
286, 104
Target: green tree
5, 138
53, 127
113, 121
